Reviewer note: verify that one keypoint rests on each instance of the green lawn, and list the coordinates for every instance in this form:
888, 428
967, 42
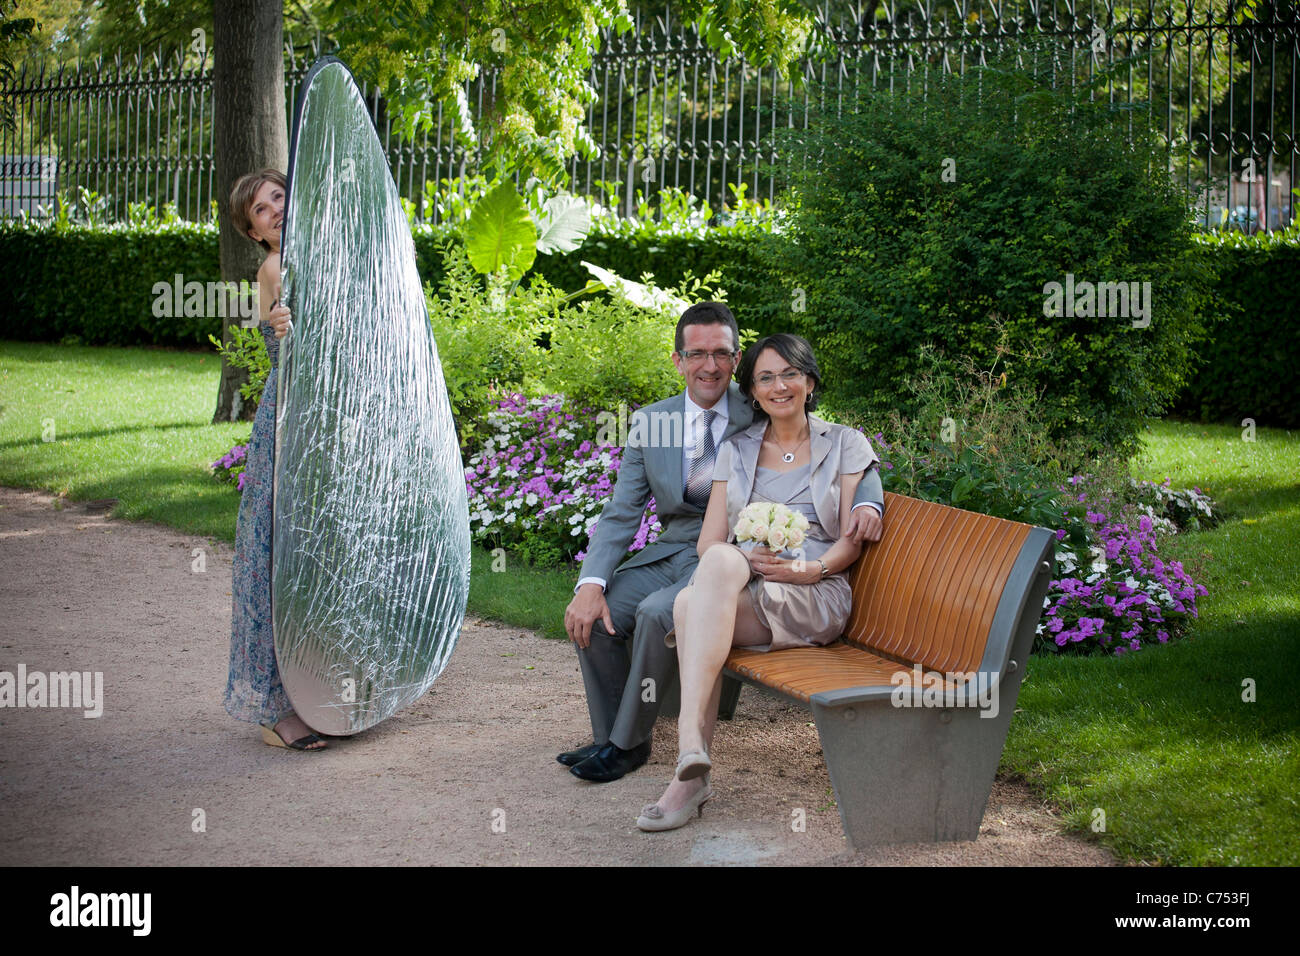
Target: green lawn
135, 425
1161, 741
131, 424
1185, 771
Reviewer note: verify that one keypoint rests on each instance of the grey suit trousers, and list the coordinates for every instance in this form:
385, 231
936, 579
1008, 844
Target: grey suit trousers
628, 672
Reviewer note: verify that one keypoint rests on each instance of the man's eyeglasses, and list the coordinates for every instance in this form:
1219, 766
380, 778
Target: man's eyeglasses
721, 356
768, 379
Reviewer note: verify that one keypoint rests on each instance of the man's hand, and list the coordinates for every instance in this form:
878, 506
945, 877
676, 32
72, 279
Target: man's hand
280, 320
587, 605
864, 525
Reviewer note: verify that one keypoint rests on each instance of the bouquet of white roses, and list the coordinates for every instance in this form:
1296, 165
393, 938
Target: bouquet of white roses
771, 524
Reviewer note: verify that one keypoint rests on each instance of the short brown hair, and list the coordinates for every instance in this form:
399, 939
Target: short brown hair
706, 313
795, 350
241, 197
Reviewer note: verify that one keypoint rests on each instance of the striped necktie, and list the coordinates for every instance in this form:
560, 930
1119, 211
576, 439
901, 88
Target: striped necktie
700, 481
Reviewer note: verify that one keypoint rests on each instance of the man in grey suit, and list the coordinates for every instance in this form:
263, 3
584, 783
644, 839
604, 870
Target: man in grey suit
669, 454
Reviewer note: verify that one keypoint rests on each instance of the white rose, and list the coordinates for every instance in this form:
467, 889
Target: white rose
743, 527
795, 538
776, 539
758, 532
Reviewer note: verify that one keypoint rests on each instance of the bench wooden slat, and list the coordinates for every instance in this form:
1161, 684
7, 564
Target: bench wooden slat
927, 592
801, 672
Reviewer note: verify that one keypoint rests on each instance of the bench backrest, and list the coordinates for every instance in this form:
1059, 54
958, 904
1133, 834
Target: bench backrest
927, 591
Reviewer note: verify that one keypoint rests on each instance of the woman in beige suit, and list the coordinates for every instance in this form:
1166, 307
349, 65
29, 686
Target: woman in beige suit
749, 596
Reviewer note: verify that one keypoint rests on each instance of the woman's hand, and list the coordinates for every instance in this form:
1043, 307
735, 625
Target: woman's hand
280, 319
759, 557
801, 571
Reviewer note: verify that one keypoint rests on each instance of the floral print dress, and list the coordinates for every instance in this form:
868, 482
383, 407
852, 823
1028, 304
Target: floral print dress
253, 690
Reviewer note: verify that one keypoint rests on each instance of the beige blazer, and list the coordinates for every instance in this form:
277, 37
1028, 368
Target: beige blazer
836, 450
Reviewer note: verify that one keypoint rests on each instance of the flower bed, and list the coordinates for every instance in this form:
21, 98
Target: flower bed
230, 466
538, 483
1114, 591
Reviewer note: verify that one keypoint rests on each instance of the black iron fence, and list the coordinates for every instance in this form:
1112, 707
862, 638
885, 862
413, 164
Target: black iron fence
1217, 77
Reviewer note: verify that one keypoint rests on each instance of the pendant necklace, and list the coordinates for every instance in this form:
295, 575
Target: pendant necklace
786, 456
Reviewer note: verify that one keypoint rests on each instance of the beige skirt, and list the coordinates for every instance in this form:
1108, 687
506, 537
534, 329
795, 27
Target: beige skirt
800, 615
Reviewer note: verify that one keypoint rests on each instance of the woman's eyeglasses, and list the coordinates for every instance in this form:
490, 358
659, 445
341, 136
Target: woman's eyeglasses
768, 379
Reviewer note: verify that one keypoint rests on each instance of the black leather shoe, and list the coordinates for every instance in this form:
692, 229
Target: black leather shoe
611, 762
570, 757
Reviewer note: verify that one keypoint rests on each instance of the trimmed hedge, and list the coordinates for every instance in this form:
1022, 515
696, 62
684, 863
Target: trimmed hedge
1251, 361
97, 285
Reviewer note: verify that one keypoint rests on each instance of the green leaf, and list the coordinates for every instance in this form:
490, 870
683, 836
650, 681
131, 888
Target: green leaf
563, 225
963, 487
500, 233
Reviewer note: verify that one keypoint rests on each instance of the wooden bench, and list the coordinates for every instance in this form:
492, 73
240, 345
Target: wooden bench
950, 592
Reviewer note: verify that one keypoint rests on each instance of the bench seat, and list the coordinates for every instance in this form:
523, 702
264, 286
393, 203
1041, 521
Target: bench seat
945, 593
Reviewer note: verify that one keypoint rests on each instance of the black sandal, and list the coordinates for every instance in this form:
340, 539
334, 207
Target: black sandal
271, 738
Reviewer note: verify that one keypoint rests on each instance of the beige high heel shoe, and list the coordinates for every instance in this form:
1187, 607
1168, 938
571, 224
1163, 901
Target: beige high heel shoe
653, 820
692, 764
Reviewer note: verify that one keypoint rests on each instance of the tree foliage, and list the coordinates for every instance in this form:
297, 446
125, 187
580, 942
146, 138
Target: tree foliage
423, 53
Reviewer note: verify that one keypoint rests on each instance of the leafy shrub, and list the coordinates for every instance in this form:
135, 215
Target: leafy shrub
247, 350
608, 351
974, 440
599, 351
483, 346
930, 216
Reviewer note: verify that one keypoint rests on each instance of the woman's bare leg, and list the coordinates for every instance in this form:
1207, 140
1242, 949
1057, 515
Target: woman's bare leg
710, 625
746, 629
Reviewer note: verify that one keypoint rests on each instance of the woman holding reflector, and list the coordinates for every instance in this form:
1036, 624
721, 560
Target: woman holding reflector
254, 691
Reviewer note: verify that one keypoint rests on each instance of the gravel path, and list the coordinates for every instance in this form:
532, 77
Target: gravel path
164, 776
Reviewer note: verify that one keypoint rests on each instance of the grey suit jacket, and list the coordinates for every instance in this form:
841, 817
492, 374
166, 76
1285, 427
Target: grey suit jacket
652, 466
834, 449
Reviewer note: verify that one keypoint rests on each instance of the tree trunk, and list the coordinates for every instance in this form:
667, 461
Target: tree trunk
249, 133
